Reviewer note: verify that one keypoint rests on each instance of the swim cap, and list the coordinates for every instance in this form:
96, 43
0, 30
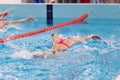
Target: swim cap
4, 14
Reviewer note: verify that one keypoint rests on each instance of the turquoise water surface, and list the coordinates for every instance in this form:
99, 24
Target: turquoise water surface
92, 60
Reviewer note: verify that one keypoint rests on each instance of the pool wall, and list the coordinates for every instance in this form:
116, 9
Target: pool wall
63, 10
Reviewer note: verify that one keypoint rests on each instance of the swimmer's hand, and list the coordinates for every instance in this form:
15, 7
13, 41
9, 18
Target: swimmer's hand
96, 37
30, 19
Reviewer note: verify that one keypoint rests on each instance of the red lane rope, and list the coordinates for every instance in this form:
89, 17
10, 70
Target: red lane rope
77, 20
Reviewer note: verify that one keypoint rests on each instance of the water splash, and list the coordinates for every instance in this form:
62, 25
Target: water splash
22, 54
1, 75
2, 30
17, 27
118, 77
10, 77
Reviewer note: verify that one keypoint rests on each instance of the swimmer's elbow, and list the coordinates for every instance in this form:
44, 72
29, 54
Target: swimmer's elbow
38, 54
85, 39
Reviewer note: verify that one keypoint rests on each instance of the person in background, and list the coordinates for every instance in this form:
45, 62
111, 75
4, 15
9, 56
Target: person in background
62, 44
60, 1
95, 1
7, 22
27, 1
74, 1
84, 1
116, 1
48, 1
39, 1
104, 1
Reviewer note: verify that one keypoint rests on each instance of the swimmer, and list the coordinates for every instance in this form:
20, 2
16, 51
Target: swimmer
61, 44
7, 22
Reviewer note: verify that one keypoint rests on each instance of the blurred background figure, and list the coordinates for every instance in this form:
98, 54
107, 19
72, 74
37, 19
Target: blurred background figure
71, 1
51, 1
59, 1
46, 1
84, 1
63, 1
74, 1
39, 1
116, 1
27, 1
104, 1
67, 1
95, 1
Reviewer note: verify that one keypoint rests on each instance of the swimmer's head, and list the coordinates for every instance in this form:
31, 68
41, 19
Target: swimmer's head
3, 14
52, 35
55, 36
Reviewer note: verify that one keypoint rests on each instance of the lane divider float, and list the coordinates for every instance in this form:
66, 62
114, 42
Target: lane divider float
74, 21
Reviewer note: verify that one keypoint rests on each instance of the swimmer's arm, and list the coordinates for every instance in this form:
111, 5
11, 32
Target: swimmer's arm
1, 27
2, 23
18, 21
41, 54
86, 38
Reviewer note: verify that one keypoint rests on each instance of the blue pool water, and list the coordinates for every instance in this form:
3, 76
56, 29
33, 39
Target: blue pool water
94, 60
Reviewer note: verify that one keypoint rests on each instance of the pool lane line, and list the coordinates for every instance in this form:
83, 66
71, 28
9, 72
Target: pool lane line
49, 9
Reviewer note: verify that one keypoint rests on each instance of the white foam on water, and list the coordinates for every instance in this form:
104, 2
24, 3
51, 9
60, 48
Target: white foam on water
22, 54
15, 47
2, 30
118, 77
89, 48
19, 52
16, 26
10, 77
1, 75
